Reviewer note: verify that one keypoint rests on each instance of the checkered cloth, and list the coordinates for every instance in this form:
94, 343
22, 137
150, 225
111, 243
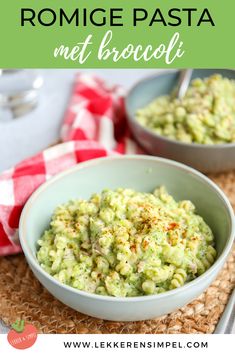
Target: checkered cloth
94, 126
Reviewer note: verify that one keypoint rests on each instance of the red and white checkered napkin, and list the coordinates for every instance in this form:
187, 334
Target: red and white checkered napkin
94, 126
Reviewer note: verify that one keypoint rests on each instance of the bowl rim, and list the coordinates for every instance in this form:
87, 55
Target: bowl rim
88, 164
132, 119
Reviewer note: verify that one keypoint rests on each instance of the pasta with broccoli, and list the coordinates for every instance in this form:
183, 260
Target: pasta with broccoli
125, 243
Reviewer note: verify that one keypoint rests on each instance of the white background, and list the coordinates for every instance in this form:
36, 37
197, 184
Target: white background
54, 343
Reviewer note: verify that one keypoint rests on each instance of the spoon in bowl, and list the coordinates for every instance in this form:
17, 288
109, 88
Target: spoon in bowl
183, 83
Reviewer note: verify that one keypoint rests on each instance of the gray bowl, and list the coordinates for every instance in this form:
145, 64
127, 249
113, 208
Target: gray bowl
206, 158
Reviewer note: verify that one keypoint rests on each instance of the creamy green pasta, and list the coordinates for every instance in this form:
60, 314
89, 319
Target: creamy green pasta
125, 243
205, 115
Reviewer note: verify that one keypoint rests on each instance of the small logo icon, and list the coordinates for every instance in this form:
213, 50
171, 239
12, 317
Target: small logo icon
22, 336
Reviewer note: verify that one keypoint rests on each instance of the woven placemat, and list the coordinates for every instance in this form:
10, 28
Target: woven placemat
23, 297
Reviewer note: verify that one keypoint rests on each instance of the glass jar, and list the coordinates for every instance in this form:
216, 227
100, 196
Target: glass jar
19, 92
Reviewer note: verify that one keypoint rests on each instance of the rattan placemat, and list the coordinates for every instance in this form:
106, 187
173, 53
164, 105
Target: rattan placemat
23, 297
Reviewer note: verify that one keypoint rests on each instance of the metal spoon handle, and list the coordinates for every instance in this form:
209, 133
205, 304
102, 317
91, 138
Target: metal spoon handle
183, 83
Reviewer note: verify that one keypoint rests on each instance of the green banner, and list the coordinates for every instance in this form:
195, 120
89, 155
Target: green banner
117, 33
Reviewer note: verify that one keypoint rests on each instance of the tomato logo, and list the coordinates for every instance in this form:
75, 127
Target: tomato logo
22, 336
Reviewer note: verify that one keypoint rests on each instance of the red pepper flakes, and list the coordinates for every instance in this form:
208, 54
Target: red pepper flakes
133, 248
172, 226
145, 244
